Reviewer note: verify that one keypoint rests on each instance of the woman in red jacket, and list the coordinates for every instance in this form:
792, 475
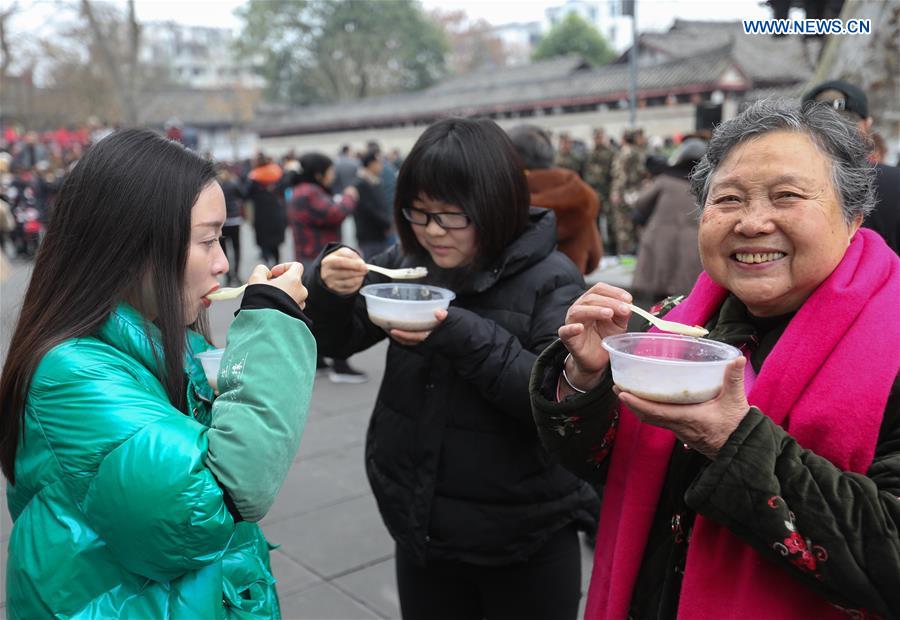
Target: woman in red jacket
316, 217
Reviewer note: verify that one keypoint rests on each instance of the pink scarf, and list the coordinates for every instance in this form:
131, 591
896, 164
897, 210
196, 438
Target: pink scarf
826, 381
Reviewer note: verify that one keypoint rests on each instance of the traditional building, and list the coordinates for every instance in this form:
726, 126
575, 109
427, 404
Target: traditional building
694, 65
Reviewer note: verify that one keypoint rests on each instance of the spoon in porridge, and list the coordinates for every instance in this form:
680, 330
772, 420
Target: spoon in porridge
670, 326
405, 273
226, 292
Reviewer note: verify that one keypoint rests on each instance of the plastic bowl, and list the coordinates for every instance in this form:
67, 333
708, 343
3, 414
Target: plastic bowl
409, 307
211, 361
668, 368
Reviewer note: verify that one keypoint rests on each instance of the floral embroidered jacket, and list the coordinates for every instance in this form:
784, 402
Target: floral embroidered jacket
849, 552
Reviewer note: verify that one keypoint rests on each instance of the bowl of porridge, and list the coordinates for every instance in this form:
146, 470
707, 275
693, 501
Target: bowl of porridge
409, 307
211, 361
669, 368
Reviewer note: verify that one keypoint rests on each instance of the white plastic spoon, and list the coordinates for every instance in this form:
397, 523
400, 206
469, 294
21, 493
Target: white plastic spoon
406, 273
226, 293
670, 326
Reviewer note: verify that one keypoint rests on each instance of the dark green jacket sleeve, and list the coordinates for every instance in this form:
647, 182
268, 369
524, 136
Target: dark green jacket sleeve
835, 530
580, 430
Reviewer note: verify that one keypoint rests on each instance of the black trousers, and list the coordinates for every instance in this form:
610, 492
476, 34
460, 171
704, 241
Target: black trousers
269, 255
307, 268
545, 587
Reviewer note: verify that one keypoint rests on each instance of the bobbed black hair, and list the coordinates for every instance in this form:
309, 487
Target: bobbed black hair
472, 164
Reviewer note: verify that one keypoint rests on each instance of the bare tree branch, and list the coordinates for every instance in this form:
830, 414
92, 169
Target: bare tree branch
4, 40
134, 42
102, 42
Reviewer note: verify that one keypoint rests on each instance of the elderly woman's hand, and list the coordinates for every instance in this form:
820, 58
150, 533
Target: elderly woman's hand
704, 427
597, 314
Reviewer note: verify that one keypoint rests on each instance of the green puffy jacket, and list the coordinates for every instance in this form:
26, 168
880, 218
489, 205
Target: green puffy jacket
118, 504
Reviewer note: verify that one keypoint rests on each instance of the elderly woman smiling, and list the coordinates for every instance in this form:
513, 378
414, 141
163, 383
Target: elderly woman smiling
779, 497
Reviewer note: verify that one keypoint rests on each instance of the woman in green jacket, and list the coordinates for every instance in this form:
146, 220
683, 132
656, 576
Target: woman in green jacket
133, 486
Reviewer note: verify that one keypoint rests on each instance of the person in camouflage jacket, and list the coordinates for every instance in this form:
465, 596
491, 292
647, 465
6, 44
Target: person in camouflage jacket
628, 172
598, 167
566, 157
598, 174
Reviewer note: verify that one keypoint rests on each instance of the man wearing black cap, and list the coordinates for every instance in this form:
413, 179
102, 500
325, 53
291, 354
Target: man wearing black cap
850, 100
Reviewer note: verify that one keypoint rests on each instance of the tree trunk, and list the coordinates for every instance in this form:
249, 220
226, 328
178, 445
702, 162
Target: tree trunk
134, 42
871, 61
4, 41
123, 83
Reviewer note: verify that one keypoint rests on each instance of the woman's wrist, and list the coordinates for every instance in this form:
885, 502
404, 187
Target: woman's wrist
265, 296
575, 381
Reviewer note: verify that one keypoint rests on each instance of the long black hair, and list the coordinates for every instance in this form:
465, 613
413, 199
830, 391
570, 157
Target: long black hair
470, 163
122, 220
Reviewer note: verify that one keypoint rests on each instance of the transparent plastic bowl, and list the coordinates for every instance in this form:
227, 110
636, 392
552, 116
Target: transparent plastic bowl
669, 368
211, 361
409, 307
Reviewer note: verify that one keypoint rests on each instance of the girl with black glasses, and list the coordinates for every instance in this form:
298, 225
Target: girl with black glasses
484, 520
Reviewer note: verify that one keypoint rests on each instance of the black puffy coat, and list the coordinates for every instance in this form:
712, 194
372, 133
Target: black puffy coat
452, 453
269, 214
373, 215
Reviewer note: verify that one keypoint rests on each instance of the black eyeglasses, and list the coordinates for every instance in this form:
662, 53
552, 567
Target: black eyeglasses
447, 221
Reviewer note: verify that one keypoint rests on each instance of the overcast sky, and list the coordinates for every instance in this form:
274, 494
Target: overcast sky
652, 14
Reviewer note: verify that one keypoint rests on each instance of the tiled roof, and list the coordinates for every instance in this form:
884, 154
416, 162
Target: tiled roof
561, 82
754, 54
794, 91
550, 69
698, 56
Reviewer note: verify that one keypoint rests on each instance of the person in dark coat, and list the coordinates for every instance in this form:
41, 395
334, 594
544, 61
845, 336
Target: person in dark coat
574, 202
852, 102
388, 175
373, 216
315, 214
668, 260
269, 215
777, 497
885, 219
316, 218
484, 522
234, 217
346, 167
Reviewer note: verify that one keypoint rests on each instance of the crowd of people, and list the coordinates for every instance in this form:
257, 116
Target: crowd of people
498, 433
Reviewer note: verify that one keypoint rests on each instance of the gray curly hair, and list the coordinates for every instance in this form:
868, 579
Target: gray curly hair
852, 176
